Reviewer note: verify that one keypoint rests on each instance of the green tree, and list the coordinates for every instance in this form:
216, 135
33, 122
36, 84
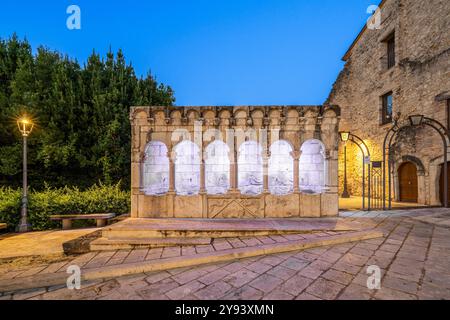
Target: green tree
82, 133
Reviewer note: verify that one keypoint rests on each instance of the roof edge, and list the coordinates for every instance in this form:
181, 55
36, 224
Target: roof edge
349, 50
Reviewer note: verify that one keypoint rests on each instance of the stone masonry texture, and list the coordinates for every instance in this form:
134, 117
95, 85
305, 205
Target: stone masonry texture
419, 81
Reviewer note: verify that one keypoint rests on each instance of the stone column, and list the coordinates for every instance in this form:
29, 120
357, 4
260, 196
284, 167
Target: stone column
233, 173
296, 156
266, 173
202, 176
171, 175
171, 193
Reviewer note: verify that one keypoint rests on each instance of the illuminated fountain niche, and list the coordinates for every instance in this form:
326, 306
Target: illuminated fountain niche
281, 168
312, 168
155, 180
211, 181
217, 168
187, 168
250, 168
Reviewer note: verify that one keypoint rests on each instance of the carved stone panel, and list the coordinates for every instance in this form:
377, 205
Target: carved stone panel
282, 206
188, 207
234, 208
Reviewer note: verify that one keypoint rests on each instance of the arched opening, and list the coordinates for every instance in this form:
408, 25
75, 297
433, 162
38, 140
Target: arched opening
250, 168
281, 168
408, 182
187, 168
217, 168
155, 173
441, 183
312, 167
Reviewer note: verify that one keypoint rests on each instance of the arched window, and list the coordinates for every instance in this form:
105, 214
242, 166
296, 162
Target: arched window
312, 168
155, 178
281, 168
250, 169
217, 168
187, 168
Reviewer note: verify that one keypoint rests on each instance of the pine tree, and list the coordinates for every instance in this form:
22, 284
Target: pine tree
82, 132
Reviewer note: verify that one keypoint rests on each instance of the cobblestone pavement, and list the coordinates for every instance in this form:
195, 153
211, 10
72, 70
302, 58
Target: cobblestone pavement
414, 258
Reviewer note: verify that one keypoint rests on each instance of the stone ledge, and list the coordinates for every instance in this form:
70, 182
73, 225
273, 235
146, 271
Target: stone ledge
136, 228
105, 244
48, 280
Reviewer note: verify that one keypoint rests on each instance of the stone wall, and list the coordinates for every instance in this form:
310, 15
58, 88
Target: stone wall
202, 125
420, 82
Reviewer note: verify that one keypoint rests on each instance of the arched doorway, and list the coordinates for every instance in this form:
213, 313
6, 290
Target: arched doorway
441, 184
408, 186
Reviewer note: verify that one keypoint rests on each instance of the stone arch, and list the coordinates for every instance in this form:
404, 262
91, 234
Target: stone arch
217, 167
313, 173
226, 111
209, 114
187, 168
192, 114
335, 108
175, 114
257, 110
250, 168
281, 168
292, 116
239, 111
274, 113
155, 169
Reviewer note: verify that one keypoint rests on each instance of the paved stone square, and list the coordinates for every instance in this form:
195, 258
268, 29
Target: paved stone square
414, 259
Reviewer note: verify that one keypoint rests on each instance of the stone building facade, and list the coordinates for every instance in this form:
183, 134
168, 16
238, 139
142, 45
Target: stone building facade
234, 162
392, 71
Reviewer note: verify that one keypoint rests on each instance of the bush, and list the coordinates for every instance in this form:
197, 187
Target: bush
42, 204
10, 200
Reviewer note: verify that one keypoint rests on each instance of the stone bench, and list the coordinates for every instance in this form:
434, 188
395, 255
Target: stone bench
67, 219
2, 226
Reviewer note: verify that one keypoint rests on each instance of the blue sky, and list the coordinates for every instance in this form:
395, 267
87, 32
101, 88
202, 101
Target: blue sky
212, 52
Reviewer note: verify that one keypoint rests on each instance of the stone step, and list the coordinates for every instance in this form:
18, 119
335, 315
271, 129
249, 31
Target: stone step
105, 244
221, 228
60, 278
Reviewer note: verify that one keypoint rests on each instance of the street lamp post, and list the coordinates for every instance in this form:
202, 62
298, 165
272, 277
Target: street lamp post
344, 137
25, 127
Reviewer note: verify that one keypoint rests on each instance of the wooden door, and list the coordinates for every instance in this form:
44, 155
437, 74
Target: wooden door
407, 175
441, 183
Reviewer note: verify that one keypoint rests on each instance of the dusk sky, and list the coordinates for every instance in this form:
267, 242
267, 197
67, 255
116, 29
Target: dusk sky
216, 52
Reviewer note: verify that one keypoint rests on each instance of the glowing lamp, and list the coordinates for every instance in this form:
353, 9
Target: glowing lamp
25, 126
344, 136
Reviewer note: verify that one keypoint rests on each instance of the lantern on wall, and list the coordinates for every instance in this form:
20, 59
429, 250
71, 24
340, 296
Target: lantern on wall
416, 120
345, 136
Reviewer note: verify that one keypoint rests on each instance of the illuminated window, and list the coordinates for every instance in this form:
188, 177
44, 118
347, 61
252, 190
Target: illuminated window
386, 111
312, 168
281, 168
217, 168
187, 168
155, 179
250, 168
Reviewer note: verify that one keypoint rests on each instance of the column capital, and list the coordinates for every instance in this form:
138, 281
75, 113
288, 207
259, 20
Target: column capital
296, 154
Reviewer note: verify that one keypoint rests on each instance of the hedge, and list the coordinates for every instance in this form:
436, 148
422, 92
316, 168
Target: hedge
42, 204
